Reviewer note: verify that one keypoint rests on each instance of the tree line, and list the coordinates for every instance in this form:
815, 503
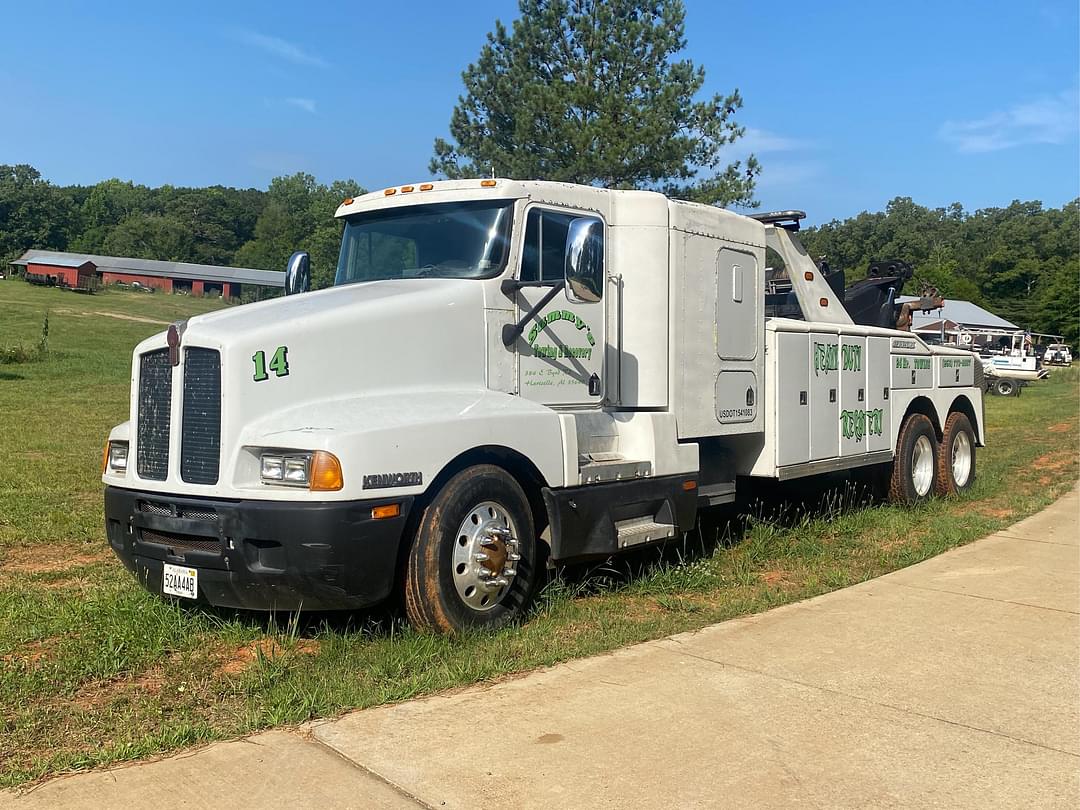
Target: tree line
216, 225
1021, 262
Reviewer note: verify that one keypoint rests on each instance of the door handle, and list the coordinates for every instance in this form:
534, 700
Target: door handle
594, 385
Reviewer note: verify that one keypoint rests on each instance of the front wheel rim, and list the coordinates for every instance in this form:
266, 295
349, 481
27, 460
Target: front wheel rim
961, 459
922, 466
486, 554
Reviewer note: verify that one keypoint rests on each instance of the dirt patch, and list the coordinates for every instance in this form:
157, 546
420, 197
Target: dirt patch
239, 659
771, 578
45, 558
96, 694
1060, 427
32, 652
996, 513
138, 318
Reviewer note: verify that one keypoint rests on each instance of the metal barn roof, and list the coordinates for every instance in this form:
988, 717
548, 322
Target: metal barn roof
58, 260
963, 313
153, 267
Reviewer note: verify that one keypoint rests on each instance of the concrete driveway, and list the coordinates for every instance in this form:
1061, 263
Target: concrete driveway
955, 682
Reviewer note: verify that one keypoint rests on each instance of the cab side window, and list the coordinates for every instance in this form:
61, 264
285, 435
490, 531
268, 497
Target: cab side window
545, 245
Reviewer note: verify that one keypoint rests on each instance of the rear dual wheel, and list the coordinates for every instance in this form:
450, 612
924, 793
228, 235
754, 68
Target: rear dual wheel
956, 458
914, 469
923, 466
473, 562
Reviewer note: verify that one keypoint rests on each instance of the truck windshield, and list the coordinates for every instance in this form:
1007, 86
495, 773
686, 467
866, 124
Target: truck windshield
441, 240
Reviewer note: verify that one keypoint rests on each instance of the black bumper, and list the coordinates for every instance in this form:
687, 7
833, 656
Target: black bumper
260, 555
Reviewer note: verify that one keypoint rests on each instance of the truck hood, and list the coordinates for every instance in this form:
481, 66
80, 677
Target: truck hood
368, 338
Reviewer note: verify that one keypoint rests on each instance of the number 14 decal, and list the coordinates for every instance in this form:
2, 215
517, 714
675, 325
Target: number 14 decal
279, 364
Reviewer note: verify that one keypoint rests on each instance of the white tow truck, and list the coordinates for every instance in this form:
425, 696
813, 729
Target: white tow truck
506, 374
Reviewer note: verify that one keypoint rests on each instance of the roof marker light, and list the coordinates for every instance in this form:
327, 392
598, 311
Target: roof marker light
406, 189
426, 186
487, 183
390, 192
347, 201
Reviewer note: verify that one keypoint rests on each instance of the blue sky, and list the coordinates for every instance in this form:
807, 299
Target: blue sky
847, 104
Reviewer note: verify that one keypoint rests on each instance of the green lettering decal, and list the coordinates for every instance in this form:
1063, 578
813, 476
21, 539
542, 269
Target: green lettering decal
562, 351
922, 362
825, 357
852, 357
259, 359
856, 424
279, 364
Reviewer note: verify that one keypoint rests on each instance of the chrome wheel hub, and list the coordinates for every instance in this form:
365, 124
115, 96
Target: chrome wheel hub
486, 554
961, 458
922, 466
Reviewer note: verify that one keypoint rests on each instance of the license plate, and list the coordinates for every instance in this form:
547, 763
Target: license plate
177, 580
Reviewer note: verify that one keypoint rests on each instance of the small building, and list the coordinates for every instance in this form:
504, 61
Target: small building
960, 323
62, 271
85, 271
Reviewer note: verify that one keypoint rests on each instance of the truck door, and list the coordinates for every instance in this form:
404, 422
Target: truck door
561, 352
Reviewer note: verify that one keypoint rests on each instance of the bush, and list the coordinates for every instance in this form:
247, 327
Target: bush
10, 355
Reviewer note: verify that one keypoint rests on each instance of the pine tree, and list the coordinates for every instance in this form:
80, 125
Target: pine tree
590, 91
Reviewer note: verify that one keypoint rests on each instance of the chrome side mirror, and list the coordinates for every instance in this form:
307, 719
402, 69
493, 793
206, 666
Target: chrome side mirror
584, 264
298, 273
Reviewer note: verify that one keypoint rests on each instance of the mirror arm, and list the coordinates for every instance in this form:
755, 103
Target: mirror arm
510, 333
510, 286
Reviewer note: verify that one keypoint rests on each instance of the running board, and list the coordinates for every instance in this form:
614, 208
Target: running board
716, 494
635, 531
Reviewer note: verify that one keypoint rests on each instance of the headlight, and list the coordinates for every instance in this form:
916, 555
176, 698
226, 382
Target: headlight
295, 470
292, 469
118, 457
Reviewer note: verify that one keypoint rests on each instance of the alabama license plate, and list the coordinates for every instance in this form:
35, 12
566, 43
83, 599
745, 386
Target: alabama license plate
178, 580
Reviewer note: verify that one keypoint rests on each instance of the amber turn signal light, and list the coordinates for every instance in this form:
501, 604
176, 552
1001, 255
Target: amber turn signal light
387, 510
325, 472
487, 183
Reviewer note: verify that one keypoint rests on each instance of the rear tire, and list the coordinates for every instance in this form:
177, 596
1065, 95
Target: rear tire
461, 570
914, 470
1005, 388
956, 458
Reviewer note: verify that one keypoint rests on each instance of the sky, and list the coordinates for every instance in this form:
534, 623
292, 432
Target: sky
846, 104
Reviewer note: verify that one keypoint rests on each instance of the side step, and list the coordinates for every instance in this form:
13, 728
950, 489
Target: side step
634, 531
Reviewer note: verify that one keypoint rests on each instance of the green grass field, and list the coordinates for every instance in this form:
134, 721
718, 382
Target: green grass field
94, 670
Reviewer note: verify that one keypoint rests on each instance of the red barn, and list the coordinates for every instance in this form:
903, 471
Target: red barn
63, 270
86, 271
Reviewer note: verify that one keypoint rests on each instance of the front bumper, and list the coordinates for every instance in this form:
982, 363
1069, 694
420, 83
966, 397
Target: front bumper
260, 555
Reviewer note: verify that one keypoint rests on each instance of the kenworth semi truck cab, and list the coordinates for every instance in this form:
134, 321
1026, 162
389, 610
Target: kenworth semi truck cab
507, 374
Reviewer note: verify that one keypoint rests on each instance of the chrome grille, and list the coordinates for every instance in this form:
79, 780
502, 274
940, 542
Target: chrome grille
200, 439
155, 395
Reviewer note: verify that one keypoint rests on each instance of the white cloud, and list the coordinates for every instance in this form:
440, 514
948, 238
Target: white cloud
759, 141
786, 176
1050, 119
306, 104
280, 48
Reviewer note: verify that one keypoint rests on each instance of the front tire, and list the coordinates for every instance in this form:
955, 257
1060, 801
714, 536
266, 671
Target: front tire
473, 562
956, 458
914, 471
